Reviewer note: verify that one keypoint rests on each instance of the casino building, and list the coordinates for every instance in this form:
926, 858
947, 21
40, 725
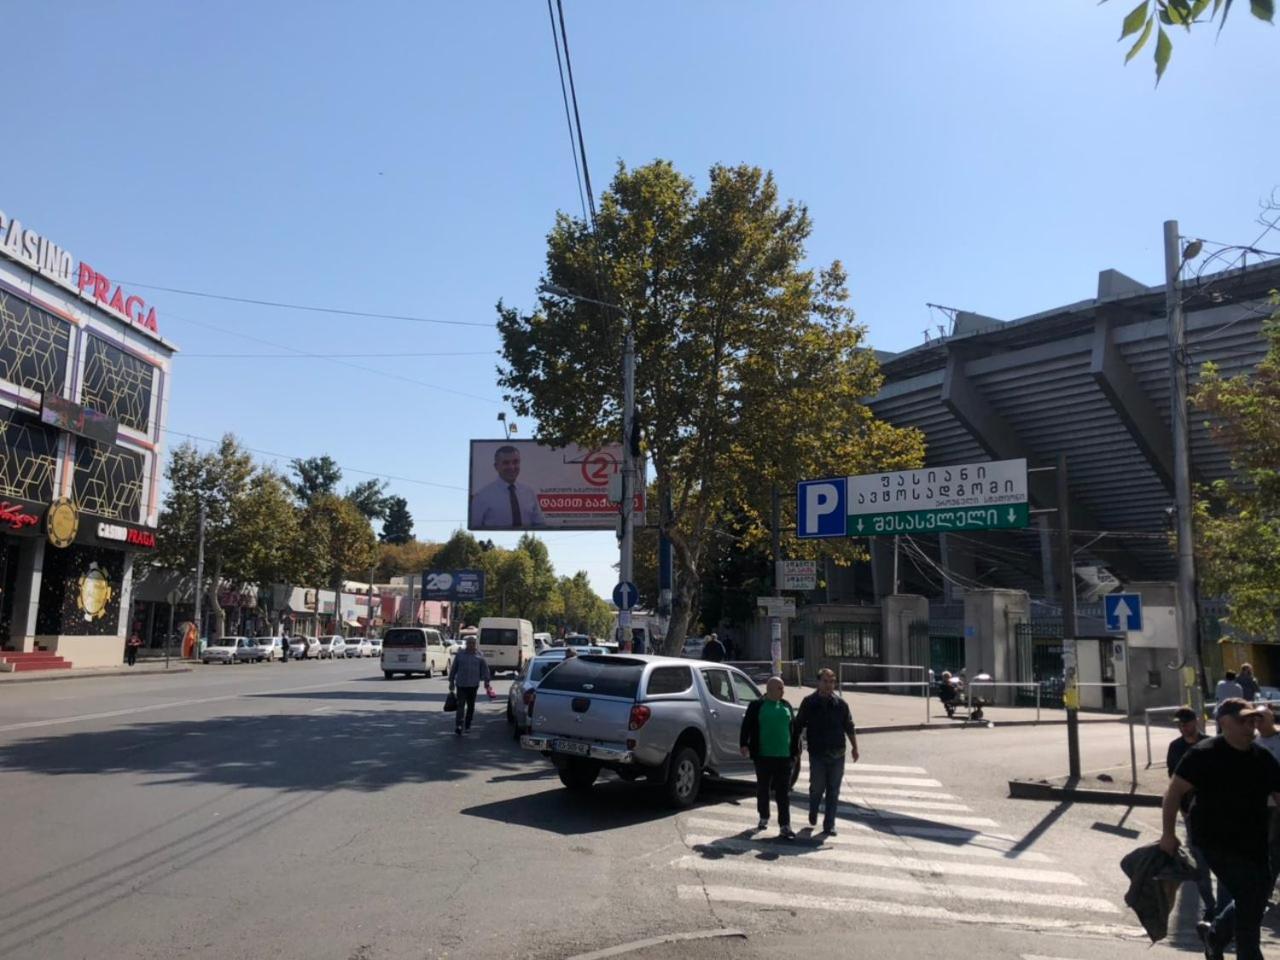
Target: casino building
84, 385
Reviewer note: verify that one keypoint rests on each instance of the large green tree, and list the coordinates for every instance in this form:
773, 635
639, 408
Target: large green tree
313, 477
750, 370
397, 527
337, 541
1238, 520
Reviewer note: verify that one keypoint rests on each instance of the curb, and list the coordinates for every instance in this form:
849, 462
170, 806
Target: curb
1042, 790
979, 725
73, 675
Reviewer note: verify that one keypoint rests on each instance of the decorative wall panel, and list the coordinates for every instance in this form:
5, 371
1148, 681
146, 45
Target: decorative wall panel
117, 384
28, 456
34, 345
108, 480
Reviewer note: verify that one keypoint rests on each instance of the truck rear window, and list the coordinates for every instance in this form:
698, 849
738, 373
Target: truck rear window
497, 637
410, 639
607, 676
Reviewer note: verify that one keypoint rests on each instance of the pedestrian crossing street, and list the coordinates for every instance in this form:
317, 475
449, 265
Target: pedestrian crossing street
905, 848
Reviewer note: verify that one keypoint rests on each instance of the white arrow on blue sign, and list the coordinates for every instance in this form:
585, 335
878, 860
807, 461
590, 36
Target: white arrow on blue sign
1123, 612
625, 595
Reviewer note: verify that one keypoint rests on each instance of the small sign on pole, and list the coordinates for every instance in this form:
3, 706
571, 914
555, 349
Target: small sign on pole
797, 574
777, 606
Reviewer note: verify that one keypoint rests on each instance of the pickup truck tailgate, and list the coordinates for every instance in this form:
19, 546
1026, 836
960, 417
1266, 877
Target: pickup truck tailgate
588, 698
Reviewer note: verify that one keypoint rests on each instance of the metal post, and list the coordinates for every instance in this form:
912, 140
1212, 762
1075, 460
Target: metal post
895, 565
1146, 720
1067, 592
1039, 687
168, 639
775, 536
200, 578
1187, 623
626, 506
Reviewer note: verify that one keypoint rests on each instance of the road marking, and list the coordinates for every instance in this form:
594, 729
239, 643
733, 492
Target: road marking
853, 779
1037, 956
898, 862
888, 804
791, 901
150, 708
910, 886
883, 768
803, 783
864, 836
854, 817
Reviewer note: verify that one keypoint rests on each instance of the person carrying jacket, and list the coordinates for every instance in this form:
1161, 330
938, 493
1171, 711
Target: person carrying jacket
468, 671
766, 738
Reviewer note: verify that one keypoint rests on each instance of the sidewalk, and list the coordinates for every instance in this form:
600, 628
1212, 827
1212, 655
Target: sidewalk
81, 673
889, 712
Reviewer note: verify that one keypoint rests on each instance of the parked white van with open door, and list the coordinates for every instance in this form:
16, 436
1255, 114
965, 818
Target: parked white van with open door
506, 642
411, 650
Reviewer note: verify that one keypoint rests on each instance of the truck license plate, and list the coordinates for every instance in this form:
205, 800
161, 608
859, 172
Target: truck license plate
402, 658
570, 746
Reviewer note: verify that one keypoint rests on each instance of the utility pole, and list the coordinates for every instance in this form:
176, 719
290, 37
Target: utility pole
1185, 593
896, 581
1067, 581
775, 623
625, 560
368, 612
200, 575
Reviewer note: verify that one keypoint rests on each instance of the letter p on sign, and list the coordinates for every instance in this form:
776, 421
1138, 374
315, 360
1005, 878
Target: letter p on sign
821, 509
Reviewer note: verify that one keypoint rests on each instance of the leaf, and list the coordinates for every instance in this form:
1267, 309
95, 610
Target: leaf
1134, 20
1142, 40
1198, 8
1263, 9
1179, 11
1164, 50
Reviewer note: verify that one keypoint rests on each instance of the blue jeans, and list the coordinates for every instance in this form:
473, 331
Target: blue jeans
825, 775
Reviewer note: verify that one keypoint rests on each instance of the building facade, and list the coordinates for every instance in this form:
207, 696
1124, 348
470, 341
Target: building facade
84, 387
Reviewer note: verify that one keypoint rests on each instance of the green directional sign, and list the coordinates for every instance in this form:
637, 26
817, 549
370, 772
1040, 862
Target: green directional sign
1003, 517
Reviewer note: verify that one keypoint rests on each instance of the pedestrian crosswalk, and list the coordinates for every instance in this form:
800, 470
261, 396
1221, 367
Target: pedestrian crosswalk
905, 848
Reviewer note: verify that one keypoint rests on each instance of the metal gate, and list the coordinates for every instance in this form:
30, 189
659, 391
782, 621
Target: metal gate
1039, 646
938, 645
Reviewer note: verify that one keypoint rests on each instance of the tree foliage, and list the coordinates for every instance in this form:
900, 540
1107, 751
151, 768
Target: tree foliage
1150, 17
313, 477
1238, 520
370, 498
397, 527
401, 559
750, 370
337, 541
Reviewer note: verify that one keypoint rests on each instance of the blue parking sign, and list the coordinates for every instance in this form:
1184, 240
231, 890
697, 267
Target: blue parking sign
822, 508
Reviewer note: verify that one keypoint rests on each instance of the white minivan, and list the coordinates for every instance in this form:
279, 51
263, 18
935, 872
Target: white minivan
506, 642
411, 650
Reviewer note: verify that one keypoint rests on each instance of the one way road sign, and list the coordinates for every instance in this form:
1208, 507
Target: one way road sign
1123, 612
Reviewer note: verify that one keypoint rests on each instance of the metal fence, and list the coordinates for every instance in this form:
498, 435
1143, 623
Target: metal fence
791, 672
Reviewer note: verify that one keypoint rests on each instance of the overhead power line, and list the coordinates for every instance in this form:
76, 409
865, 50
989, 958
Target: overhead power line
577, 117
334, 356
306, 307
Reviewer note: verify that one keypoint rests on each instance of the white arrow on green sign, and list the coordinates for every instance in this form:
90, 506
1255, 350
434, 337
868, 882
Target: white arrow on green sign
1011, 517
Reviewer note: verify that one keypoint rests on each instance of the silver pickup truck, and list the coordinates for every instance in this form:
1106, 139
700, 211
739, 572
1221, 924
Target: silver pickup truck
666, 719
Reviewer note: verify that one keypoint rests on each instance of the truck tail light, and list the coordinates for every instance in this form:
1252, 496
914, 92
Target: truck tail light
639, 716
528, 698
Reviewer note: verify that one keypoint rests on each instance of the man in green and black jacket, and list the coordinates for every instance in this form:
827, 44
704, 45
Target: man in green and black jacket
766, 738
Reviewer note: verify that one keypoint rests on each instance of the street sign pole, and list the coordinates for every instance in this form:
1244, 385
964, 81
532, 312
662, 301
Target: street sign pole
775, 623
1071, 691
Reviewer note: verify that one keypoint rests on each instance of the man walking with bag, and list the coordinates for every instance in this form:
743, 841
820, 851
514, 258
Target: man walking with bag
766, 738
469, 670
826, 722
1232, 777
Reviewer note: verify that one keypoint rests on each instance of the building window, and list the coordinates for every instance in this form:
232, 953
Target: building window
28, 457
851, 641
108, 480
80, 592
34, 346
117, 384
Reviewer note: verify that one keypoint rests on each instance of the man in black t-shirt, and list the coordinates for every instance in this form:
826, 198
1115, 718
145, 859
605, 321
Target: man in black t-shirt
1189, 735
1232, 777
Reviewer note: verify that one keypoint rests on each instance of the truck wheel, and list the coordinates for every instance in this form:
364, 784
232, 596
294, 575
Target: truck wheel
511, 714
579, 775
430, 671
684, 778
387, 675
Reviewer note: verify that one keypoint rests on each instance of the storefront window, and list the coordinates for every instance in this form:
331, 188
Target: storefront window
108, 480
117, 384
34, 346
80, 592
28, 457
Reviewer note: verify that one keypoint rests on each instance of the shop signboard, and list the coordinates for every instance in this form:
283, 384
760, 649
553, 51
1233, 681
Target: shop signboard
797, 574
528, 485
21, 518
77, 419
960, 497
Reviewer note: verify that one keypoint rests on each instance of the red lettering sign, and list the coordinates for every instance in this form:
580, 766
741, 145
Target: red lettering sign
141, 538
134, 309
16, 517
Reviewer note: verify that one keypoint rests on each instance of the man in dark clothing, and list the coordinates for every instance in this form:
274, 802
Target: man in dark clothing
713, 649
767, 739
825, 721
1248, 682
1232, 777
468, 671
1188, 736
284, 648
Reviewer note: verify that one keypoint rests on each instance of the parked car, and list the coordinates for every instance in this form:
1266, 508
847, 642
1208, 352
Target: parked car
273, 645
338, 647
326, 648
233, 650
521, 694
662, 718
304, 648
1269, 694
375, 646
362, 647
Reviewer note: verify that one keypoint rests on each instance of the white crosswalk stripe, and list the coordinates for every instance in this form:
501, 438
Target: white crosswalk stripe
905, 848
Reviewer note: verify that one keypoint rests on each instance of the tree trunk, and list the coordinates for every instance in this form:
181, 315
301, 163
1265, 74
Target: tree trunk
211, 592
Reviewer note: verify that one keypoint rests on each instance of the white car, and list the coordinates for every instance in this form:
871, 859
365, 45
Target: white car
363, 647
273, 645
375, 646
338, 646
304, 648
233, 650
326, 648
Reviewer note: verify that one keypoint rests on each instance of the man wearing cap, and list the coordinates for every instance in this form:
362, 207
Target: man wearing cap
1232, 777
1269, 740
1189, 734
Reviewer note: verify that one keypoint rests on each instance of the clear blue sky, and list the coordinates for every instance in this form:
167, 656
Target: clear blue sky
408, 158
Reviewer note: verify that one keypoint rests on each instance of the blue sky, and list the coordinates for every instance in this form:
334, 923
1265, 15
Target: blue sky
408, 158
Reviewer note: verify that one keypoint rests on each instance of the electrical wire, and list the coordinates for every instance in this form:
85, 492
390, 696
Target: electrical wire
564, 95
577, 117
332, 356
345, 469
307, 308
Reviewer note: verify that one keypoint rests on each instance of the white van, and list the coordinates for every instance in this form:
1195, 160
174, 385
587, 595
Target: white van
506, 642
411, 650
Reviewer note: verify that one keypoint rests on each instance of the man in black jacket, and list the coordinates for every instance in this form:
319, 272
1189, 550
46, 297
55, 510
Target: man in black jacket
767, 737
713, 649
1188, 736
825, 721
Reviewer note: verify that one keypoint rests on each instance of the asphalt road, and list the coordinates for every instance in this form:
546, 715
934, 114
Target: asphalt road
317, 810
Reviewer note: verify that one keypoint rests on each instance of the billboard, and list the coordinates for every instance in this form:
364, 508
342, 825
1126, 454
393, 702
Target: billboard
527, 485
466, 585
